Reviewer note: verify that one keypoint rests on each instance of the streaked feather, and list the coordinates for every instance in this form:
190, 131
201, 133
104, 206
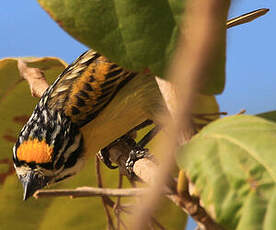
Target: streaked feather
86, 87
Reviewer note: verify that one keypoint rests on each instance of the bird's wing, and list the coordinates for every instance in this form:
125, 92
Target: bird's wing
86, 87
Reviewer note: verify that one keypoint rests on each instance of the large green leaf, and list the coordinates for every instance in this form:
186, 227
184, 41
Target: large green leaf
232, 164
135, 34
16, 105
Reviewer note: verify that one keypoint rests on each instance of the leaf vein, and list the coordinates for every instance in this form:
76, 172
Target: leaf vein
250, 151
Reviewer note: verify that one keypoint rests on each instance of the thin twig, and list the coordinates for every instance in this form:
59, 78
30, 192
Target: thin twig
187, 202
117, 209
104, 198
107, 200
241, 112
123, 224
245, 18
159, 225
205, 116
209, 114
150, 226
92, 192
146, 169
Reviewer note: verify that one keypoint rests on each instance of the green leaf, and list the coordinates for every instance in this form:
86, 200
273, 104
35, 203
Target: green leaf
232, 164
135, 34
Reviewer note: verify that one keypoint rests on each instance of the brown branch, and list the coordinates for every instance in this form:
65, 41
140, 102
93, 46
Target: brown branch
159, 225
124, 225
241, 112
116, 208
105, 199
245, 18
91, 192
146, 169
188, 203
34, 77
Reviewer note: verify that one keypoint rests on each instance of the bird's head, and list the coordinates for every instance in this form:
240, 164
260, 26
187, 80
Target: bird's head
49, 149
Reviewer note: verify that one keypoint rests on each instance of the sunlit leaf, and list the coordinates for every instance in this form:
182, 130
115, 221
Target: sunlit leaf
232, 164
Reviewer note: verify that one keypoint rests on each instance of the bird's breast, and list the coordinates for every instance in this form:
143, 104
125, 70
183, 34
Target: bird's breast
137, 101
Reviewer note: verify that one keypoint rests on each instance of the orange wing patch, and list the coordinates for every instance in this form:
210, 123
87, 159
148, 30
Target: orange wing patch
87, 86
87, 89
35, 150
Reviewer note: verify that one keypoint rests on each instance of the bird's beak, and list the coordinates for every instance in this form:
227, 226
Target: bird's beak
31, 183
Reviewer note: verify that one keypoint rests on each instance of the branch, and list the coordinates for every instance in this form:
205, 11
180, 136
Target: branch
146, 168
245, 18
105, 199
187, 202
90, 191
34, 77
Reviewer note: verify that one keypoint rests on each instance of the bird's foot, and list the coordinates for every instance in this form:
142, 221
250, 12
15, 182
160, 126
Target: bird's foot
135, 154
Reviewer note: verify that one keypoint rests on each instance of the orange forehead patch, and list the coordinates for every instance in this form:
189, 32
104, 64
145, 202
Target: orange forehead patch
35, 150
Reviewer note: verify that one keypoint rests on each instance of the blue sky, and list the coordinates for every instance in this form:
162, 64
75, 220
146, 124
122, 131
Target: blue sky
26, 30
251, 72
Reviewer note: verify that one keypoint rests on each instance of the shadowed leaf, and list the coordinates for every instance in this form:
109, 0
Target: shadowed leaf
135, 34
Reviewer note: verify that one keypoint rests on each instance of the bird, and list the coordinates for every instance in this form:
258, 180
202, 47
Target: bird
92, 103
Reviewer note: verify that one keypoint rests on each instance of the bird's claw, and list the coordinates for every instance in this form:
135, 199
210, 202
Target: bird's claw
135, 154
